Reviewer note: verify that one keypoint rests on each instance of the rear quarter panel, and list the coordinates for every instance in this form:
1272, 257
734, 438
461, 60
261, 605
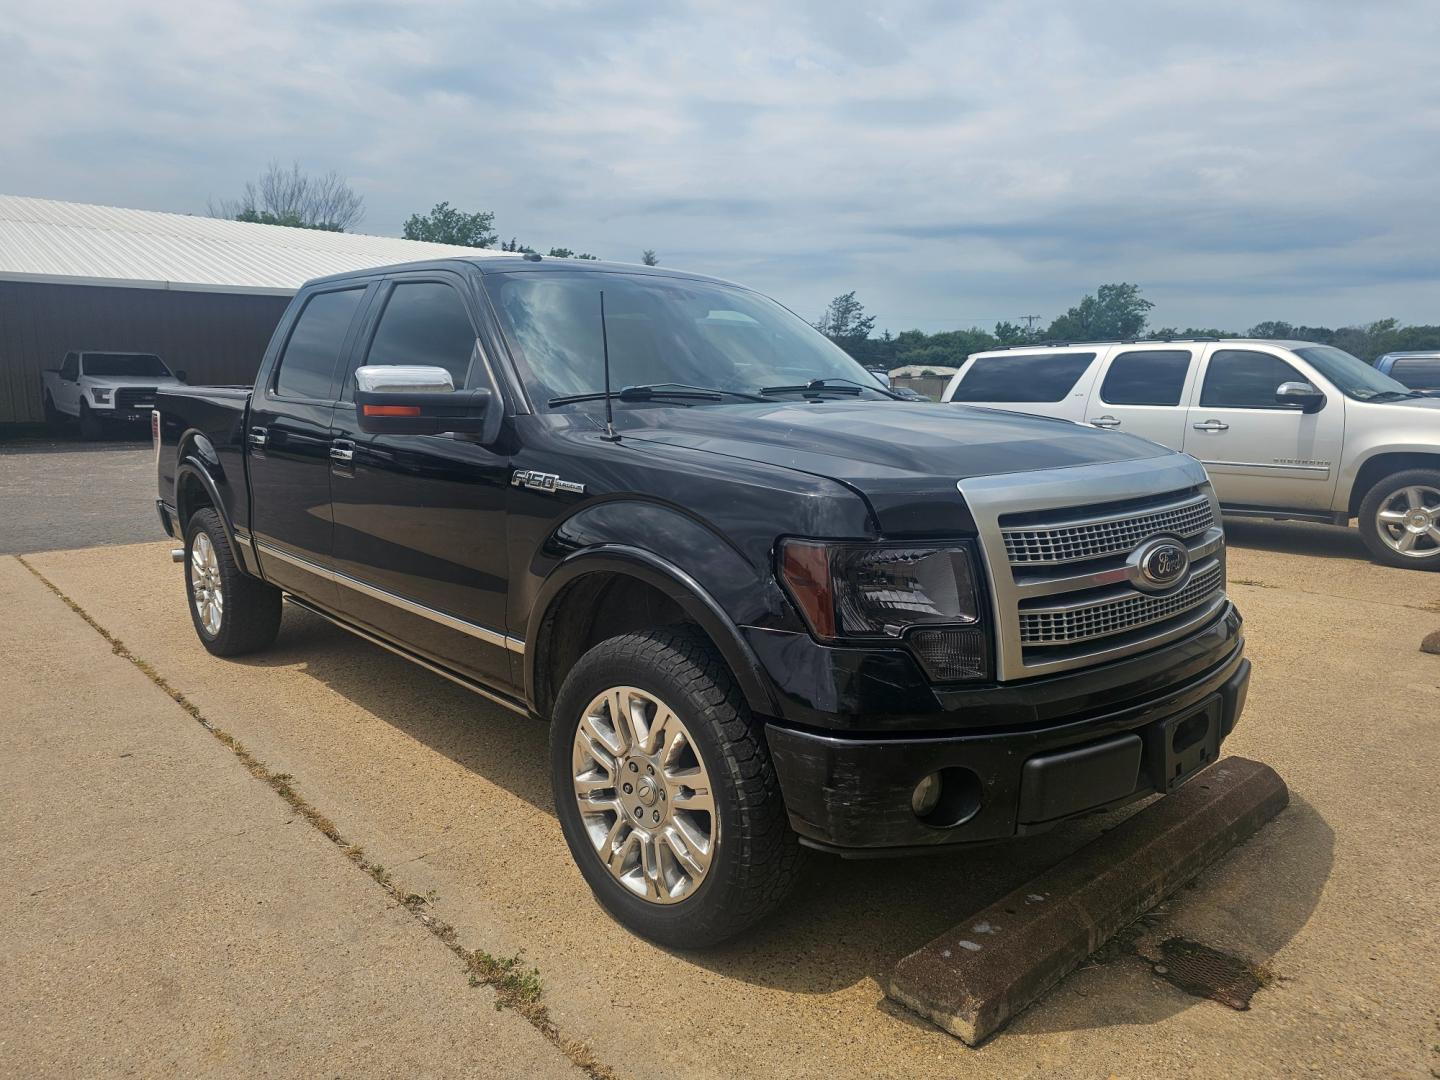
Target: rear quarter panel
206, 423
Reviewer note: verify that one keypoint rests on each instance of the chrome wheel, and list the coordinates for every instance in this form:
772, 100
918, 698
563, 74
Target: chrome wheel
644, 795
1408, 521
209, 597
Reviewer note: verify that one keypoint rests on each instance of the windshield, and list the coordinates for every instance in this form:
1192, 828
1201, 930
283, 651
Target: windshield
142, 365
1352, 376
661, 331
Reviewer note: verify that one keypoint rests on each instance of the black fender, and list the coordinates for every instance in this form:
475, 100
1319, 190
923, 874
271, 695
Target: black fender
675, 583
193, 463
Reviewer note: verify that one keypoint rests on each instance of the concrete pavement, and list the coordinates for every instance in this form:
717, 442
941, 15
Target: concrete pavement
163, 913
1338, 898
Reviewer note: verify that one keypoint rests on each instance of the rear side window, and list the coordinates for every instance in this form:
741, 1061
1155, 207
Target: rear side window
1146, 377
425, 323
1417, 372
307, 367
1240, 379
1022, 377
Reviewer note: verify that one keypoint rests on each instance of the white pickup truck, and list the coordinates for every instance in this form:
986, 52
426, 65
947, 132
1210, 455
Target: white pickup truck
1286, 429
102, 389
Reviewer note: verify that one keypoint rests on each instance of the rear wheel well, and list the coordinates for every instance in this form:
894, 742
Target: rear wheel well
592, 609
190, 496
1383, 465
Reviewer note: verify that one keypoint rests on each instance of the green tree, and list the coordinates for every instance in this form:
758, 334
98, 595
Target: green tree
845, 322
446, 224
1114, 313
649, 258
1009, 333
566, 253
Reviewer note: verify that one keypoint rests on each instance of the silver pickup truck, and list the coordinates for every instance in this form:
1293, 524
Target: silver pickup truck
104, 389
1286, 429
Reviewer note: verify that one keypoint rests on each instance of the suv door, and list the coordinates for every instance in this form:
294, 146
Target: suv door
289, 445
1143, 391
1258, 452
420, 519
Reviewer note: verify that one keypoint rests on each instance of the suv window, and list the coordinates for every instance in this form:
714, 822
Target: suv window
1023, 377
307, 367
1241, 379
425, 323
1146, 377
1417, 372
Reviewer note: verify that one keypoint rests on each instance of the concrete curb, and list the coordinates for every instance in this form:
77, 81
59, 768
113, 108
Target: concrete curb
972, 979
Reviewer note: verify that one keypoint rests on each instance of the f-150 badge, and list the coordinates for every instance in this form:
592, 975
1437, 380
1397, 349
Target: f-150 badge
544, 481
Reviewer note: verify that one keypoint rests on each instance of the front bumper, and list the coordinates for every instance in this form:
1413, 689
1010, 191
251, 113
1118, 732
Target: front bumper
852, 793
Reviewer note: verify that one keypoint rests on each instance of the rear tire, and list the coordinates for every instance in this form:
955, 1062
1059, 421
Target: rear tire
1400, 520
233, 612
54, 420
716, 852
90, 427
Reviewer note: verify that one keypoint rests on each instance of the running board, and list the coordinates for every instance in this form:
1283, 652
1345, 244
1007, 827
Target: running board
444, 673
1323, 517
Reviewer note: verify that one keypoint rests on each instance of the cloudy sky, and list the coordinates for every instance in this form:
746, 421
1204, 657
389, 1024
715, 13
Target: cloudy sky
957, 163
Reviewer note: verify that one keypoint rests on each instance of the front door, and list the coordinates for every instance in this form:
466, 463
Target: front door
67, 386
289, 447
420, 519
1258, 452
1143, 392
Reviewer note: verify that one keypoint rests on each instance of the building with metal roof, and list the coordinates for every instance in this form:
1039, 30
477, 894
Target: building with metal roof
204, 293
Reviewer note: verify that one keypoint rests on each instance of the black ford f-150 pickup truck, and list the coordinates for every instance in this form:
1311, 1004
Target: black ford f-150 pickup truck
767, 606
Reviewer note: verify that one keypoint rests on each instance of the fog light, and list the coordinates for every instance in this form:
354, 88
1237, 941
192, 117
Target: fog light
926, 795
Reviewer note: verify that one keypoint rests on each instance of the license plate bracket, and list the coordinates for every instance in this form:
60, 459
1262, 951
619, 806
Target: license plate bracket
1182, 745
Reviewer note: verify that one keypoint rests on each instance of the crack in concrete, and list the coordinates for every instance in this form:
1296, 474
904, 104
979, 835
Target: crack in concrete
479, 966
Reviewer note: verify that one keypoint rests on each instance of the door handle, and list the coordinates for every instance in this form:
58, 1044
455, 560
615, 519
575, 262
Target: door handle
1105, 421
342, 450
1211, 425
257, 437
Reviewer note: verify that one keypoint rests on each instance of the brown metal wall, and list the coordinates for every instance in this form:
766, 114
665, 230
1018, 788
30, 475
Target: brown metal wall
213, 337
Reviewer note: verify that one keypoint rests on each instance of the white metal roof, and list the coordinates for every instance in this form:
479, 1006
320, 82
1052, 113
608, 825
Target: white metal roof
80, 244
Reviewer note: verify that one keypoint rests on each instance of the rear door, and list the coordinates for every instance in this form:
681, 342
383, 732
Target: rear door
1045, 383
289, 444
420, 519
1144, 391
1258, 452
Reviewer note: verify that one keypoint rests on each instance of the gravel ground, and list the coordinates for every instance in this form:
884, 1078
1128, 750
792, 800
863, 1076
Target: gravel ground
56, 494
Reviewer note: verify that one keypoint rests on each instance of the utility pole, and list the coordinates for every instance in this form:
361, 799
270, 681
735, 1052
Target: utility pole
1030, 321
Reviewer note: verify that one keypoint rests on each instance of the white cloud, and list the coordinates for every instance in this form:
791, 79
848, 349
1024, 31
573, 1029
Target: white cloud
952, 163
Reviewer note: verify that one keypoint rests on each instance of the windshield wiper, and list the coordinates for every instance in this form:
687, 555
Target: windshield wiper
1394, 395
836, 386
660, 392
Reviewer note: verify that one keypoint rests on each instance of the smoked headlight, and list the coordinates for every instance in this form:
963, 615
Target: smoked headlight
907, 591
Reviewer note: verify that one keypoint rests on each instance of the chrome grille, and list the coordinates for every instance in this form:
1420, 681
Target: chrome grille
1106, 536
1117, 614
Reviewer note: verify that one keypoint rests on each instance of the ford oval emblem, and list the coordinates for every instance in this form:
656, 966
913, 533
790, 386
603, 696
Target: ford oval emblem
1159, 563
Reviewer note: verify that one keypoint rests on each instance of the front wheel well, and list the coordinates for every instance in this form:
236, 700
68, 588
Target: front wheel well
592, 609
1383, 465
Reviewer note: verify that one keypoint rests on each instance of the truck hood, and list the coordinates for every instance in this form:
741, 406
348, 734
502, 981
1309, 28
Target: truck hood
889, 451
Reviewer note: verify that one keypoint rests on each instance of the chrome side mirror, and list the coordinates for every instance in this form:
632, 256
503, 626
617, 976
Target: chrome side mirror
1303, 394
406, 399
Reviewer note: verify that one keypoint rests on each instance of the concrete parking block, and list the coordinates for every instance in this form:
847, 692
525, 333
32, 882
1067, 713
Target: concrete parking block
972, 979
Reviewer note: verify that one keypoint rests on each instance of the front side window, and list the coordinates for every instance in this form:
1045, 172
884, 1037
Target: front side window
70, 369
307, 367
1033, 377
660, 330
1352, 376
425, 323
1241, 379
1146, 377
122, 365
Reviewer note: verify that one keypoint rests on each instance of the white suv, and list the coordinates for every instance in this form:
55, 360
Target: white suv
1286, 429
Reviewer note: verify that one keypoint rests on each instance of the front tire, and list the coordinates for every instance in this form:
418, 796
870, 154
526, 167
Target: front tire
665, 790
90, 427
1400, 520
233, 612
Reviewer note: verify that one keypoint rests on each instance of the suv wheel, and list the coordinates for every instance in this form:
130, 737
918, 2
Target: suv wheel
90, 427
233, 612
665, 790
1400, 520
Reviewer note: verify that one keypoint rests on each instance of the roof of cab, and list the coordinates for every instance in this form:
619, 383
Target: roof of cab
509, 262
